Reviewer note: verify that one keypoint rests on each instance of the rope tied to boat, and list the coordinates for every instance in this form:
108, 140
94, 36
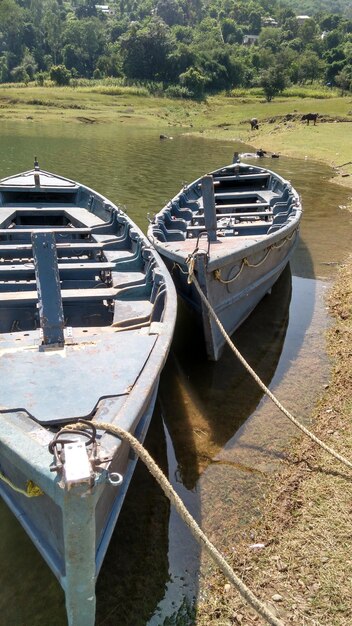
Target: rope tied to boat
245, 262
175, 499
331, 451
32, 490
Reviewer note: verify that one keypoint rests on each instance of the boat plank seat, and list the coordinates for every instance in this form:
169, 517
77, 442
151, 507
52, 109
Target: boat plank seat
228, 195
68, 295
235, 177
28, 230
258, 226
79, 215
231, 207
262, 178
24, 271
234, 215
24, 250
102, 229
122, 279
130, 313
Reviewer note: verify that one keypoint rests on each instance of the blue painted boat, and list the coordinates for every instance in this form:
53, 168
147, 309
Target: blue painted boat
240, 226
87, 313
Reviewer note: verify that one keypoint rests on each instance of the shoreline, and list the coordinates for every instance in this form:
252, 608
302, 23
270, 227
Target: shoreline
303, 571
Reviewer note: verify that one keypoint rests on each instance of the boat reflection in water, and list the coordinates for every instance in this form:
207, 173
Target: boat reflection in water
205, 403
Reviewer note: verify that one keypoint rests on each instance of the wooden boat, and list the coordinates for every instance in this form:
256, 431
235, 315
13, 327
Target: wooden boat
240, 224
87, 312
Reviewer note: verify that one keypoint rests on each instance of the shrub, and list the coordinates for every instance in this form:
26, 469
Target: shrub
176, 91
60, 75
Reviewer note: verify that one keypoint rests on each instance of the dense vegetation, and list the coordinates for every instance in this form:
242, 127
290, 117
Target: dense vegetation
179, 47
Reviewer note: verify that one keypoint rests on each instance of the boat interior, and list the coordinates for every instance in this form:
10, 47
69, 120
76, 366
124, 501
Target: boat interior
106, 274
78, 282
246, 200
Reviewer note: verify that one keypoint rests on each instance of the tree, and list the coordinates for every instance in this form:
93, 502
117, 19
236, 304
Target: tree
145, 50
11, 26
307, 31
170, 11
194, 80
52, 28
84, 42
19, 75
310, 67
344, 79
60, 75
273, 82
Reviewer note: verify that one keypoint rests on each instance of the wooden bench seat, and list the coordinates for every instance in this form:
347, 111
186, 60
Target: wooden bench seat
68, 295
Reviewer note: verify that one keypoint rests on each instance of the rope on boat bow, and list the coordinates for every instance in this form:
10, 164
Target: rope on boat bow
32, 490
245, 262
192, 278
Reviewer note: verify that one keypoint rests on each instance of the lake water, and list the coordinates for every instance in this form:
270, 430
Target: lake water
213, 432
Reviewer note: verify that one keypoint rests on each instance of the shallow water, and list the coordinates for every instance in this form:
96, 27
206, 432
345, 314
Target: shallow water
213, 431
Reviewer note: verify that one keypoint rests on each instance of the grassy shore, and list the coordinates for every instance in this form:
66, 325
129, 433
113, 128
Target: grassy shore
304, 571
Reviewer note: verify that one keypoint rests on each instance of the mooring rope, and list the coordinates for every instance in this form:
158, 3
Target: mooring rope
32, 490
197, 532
245, 262
192, 278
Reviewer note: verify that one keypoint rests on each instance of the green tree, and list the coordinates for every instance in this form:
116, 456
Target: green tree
60, 75
52, 27
19, 75
273, 81
145, 50
308, 31
194, 80
86, 41
310, 67
344, 79
11, 29
170, 11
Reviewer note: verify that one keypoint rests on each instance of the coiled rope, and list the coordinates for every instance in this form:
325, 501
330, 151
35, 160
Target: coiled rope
197, 532
192, 278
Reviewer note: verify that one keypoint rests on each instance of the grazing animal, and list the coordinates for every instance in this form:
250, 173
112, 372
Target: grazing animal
254, 123
310, 117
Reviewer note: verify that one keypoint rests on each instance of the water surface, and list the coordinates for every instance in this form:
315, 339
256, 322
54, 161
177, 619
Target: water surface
215, 434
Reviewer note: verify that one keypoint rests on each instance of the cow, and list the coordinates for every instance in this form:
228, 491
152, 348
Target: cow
254, 123
310, 117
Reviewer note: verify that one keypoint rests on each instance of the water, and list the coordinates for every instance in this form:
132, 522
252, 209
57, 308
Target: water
213, 432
